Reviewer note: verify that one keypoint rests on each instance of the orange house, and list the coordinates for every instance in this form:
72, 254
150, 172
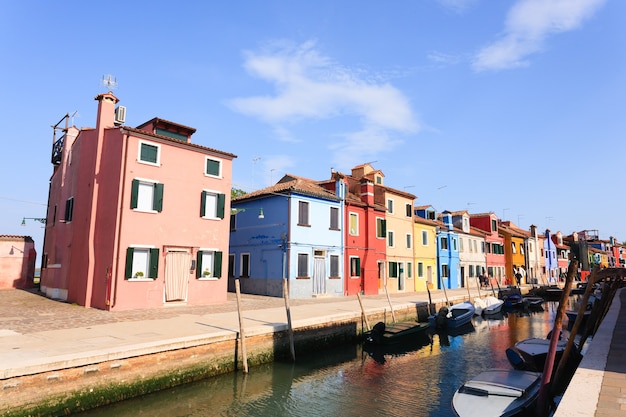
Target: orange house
137, 217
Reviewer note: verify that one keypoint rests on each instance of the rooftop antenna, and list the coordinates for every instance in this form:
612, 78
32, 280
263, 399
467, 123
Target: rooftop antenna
109, 81
75, 114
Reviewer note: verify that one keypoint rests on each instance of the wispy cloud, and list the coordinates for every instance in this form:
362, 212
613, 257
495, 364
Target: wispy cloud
457, 6
527, 26
310, 86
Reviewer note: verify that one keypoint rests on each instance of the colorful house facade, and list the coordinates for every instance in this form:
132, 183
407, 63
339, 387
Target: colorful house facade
364, 241
136, 216
399, 275
448, 253
17, 261
552, 265
494, 245
425, 252
514, 250
472, 259
299, 237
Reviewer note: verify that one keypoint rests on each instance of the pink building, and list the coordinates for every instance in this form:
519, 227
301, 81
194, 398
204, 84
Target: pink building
137, 217
17, 261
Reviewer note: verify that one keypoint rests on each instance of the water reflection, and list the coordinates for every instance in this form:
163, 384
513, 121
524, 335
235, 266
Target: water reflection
418, 379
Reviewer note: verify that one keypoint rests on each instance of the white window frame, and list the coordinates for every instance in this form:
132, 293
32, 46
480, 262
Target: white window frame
390, 205
146, 271
409, 241
156, 145
391, 239
213, 210
221, 162
356, 217
425, 238
208, 253
141, 198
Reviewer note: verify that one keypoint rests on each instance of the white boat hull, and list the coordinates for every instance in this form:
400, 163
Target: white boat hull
497, 392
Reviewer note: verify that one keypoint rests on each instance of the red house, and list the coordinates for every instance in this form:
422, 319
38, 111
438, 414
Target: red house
494, 245
364, 242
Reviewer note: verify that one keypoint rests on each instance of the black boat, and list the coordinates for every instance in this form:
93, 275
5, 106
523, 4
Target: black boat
382, 334
530, 354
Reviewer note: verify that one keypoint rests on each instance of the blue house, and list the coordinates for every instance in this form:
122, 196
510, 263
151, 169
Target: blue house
552, 264
290, 230
448, 263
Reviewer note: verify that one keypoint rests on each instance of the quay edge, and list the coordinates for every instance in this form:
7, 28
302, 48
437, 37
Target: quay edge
83, 383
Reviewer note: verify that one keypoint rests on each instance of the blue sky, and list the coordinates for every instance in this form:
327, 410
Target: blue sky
515, 107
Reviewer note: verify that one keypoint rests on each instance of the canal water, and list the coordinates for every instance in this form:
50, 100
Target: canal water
416, 380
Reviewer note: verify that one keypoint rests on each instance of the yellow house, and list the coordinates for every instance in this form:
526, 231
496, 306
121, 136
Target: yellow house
425, 253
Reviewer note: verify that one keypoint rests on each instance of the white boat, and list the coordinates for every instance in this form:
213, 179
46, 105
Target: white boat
497, 392
453, 317
487, 305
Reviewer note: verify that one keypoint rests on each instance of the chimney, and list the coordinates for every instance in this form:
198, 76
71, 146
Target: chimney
367, 191
106, 112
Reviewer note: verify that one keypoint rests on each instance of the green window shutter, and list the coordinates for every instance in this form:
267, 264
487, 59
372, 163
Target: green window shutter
358, 267
157, 203
383, 226
217, 265
199, 264
221, 202
148, 153
154, 263
212, 167
203, 203
128, 273
134, 194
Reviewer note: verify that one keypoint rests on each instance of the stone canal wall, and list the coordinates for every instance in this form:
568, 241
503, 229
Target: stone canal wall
81, 385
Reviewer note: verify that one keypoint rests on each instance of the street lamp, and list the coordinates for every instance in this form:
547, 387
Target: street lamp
37, 219
239, 210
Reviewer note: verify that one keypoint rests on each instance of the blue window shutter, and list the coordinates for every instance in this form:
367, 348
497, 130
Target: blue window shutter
221, 203
203, 203
217, 265
134, 194
154, 263
157, 203
199, 264
128, 273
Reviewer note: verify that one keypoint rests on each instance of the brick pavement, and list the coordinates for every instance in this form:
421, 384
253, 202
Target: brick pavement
28, 312
612, 399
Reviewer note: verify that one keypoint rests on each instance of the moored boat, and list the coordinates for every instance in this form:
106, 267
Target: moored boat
531, 354
382, 334
488, 305
454, 316
533, 302
497, 392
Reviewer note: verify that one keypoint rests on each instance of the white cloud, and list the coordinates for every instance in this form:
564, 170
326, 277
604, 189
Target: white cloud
310, 86
527, 26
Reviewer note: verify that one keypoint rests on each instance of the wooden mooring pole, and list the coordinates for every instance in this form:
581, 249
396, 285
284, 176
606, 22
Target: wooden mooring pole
289, 327
367, 325
393, 316
242, 335
544, 390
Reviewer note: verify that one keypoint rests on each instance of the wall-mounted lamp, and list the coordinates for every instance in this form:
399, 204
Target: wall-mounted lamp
12, 251
239, 210
37, 219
